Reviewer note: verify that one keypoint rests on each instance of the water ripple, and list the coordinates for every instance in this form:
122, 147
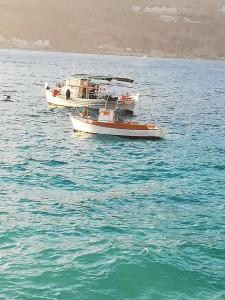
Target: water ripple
91, 217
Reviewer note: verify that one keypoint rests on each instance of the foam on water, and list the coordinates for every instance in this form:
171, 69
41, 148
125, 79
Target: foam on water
91, 217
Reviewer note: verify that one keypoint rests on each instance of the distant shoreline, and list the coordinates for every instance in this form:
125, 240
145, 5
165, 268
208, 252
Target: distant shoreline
122, 53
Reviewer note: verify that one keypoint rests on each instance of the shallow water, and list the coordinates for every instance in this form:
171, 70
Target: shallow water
90, 217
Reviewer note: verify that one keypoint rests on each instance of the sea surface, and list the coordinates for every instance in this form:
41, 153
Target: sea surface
92, 217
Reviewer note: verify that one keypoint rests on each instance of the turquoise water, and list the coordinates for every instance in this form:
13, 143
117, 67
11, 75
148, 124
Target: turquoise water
87, 217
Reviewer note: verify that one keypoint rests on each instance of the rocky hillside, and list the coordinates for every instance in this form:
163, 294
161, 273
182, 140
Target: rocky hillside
180, 28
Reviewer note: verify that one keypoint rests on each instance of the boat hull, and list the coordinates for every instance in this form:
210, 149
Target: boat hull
121, 129
60, 101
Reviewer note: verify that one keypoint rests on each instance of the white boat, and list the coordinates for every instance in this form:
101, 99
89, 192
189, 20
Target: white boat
107, 124
82, 90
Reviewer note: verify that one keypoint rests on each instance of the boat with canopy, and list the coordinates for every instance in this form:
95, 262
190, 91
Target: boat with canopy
93, 91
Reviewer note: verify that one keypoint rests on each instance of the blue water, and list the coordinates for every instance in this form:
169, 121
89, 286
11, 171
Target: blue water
90, 217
